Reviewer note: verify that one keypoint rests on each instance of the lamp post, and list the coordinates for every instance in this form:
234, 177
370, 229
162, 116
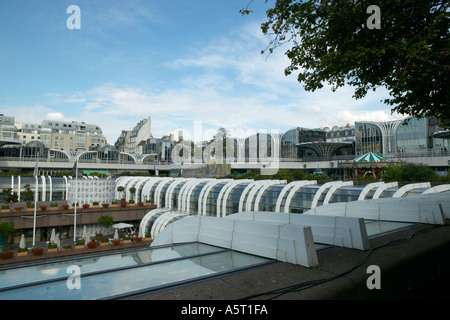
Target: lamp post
332, 173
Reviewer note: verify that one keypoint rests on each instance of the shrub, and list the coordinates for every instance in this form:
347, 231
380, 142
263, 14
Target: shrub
67, 246
37, 251
22, 250
7, 255
79, 243
92, 244
95, 203
106, 221
52, 246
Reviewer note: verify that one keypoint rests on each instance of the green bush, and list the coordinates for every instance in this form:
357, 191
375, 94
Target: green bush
106, 221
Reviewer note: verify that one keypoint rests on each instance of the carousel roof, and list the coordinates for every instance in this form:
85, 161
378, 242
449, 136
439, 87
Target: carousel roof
370, 157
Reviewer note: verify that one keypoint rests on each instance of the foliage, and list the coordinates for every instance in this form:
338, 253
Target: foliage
106, 221
120, 188
28, 194
67, 246
92, 244
6, 229
52, 246
37, 251
330, 42
10, 196
22, 249
412, 173
6, 255
137, 239
65, 206
132, 190
115, 242
79, 243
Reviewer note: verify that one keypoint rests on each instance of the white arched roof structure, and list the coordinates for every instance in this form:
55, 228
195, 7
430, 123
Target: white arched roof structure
187, 207
158, 190
384, 187
203, 197
368, 188
321, 190
171, 190
263, 189
298, 185
409, 187
438, 189
334, 188
225, 192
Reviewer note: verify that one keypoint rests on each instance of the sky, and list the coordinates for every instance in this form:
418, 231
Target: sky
191, 65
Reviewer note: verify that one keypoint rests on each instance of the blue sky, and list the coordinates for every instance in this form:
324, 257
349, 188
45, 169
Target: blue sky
186, 63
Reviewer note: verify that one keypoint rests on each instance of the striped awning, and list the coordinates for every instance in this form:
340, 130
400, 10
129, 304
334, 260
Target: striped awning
370, 157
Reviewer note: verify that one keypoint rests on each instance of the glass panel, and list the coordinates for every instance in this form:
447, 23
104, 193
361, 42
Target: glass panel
47, 271
110, 284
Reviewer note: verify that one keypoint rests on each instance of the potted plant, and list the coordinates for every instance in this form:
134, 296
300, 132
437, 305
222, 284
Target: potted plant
52, 247
104, 242
5, 208
92, 244
53, 206
114, 204
131, 202
22, 252
105, 205
115, 242
79, 244
30, 206
67, 247
6, 255
127, 240
86, 206
123, 204
95, 204
120, 189
137, 239
148, 236
140, 204
65, 206
18, 209
43, 208
37, 251
148, 202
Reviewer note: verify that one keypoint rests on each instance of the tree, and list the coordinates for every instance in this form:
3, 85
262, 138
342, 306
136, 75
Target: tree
10, 196
28, 194
330, 41
106, 221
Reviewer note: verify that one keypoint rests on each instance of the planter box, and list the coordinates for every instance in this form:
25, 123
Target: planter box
103, 244
20, 254
126, 241
52, 250
79, 247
